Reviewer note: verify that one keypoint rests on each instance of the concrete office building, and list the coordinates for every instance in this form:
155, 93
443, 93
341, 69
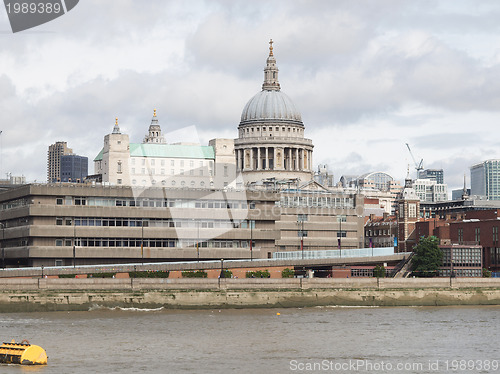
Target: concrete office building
54, 154
461, 261
62, 224
429, 190
432, 174
377, 185
165, 202
485, 179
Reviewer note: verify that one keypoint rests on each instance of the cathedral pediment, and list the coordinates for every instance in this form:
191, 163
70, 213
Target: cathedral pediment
313, 186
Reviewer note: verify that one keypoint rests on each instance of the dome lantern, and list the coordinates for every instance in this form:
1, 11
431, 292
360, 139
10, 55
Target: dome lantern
271, 72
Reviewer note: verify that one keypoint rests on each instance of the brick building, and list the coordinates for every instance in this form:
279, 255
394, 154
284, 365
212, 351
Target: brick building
480, 227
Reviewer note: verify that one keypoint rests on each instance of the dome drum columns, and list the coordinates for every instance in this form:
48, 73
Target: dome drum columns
260, 158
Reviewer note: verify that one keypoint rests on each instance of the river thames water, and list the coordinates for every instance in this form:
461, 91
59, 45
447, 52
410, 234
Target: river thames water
323, 339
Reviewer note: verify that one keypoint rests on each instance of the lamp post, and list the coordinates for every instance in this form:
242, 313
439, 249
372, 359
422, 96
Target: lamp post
142, 241
300, 221
340, 236
302, 238
3, 246
251, 239
74, 243
198, 240
451, 265
340, 218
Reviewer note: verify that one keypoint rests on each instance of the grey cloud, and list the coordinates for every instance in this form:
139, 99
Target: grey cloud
341, 62
446, 140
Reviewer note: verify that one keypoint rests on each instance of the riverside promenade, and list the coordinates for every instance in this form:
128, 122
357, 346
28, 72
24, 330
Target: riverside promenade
42, 294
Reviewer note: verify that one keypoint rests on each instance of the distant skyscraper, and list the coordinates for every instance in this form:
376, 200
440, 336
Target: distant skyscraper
54, 160
432, 174
485, 179
74, 168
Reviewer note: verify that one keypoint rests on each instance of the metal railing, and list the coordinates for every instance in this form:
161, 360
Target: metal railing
334, 253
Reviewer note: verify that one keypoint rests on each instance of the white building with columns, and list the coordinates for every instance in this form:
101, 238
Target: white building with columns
271, 142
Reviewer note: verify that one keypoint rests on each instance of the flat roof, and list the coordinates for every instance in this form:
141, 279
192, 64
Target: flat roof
168, 151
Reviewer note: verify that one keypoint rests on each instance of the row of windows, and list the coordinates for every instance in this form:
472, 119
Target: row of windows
495, 256
13, 204
264, 128
139, 222
144, 171
152, 243
477, 234
465, 263
377, 232
182, 163
462, 273
173, 183
367, 273
158, 203
316, 201
462, 251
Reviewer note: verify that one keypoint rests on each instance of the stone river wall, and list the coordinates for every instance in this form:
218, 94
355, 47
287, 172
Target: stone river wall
42, 294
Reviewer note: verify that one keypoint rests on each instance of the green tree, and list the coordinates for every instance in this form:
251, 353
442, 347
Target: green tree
227, 273
379, 271
194, 274
258, 274
287, 273
428, 258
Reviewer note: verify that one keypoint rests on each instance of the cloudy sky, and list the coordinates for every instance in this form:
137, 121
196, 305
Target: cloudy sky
367, 76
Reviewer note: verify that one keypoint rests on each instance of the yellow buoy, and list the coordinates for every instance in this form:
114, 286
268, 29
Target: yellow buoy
278, 314
22, 353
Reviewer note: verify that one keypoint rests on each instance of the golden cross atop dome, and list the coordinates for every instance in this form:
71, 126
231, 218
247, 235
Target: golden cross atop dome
154, 112
116, 121
271, 47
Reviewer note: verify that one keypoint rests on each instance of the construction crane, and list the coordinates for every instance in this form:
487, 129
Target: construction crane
420, 165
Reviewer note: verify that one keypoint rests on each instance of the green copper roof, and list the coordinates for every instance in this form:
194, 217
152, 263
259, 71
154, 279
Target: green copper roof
99, 156
168, 151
